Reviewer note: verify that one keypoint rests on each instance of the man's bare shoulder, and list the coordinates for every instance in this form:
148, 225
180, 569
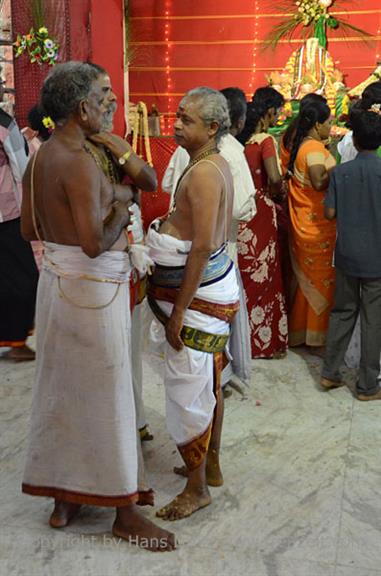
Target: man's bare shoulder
68, 163
210, 167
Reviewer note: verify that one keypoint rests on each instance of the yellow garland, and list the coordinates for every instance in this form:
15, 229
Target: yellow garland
140, 127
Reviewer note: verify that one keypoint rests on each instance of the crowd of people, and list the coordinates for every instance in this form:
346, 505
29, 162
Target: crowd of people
266, 245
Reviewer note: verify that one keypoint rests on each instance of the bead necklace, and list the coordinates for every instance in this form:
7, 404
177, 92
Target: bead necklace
107, 167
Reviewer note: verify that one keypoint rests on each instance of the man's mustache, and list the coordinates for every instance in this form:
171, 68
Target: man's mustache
112, 108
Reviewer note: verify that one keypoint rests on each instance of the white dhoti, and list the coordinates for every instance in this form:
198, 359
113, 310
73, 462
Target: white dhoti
239, 343
137, 365
83, 444
140, 263
189, 374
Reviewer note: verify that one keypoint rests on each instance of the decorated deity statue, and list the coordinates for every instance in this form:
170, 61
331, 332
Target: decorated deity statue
311, 68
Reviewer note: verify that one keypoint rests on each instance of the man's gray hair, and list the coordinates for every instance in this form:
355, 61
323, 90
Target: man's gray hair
65, 87
212, 107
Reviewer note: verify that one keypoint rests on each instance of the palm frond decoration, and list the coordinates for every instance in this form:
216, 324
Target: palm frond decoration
348, 30
310, 18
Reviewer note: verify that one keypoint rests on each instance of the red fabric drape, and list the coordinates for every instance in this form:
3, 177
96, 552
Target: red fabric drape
68, 23
155, 204
85, 30
211, 43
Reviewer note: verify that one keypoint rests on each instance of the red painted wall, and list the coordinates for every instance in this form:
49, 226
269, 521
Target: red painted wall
212, 44
106, 23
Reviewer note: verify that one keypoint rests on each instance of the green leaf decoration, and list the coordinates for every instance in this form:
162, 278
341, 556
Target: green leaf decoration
332, 22
37, 45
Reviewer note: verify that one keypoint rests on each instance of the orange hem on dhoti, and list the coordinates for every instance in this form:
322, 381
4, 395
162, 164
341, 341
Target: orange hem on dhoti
141, 498
11, 344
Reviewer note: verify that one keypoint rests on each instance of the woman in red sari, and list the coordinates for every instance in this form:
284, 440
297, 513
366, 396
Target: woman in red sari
258, 246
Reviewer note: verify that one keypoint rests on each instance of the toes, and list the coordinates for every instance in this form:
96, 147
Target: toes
57, 522
170, 543
173, 514
170, 514
162, 512
167, 513
177, 509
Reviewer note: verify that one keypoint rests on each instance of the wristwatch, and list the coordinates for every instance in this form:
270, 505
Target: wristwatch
123, 159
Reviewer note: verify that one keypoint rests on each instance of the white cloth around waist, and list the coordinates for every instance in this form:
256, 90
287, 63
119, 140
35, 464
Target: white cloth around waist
72, 262
166, 250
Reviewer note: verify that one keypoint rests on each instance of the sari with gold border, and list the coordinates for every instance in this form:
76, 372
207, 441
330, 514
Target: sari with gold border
312, 243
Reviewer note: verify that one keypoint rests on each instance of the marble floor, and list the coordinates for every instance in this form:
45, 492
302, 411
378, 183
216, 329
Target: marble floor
302, 492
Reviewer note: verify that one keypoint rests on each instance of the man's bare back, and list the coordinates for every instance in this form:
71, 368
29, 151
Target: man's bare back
70, 205
205, 196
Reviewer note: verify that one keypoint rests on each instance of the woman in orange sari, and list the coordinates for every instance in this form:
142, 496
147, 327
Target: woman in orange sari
287, 140
312, 237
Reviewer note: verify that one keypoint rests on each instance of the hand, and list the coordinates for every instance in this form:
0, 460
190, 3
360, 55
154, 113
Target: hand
117, 145
173, 330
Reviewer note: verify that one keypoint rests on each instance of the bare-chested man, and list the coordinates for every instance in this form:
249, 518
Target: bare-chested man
194, 293
83, 443
107, 148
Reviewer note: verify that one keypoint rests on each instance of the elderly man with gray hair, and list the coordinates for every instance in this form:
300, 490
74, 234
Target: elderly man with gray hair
193, 292
83, 437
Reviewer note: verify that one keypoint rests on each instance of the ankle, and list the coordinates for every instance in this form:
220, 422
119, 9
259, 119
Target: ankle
125, 513
198, 488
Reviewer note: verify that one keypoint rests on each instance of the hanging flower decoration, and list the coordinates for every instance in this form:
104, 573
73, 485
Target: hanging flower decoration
38, 45
313, 17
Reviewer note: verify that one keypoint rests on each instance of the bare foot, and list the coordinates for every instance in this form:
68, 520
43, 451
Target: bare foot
21, 354
63, 513
184, 505
133, 527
